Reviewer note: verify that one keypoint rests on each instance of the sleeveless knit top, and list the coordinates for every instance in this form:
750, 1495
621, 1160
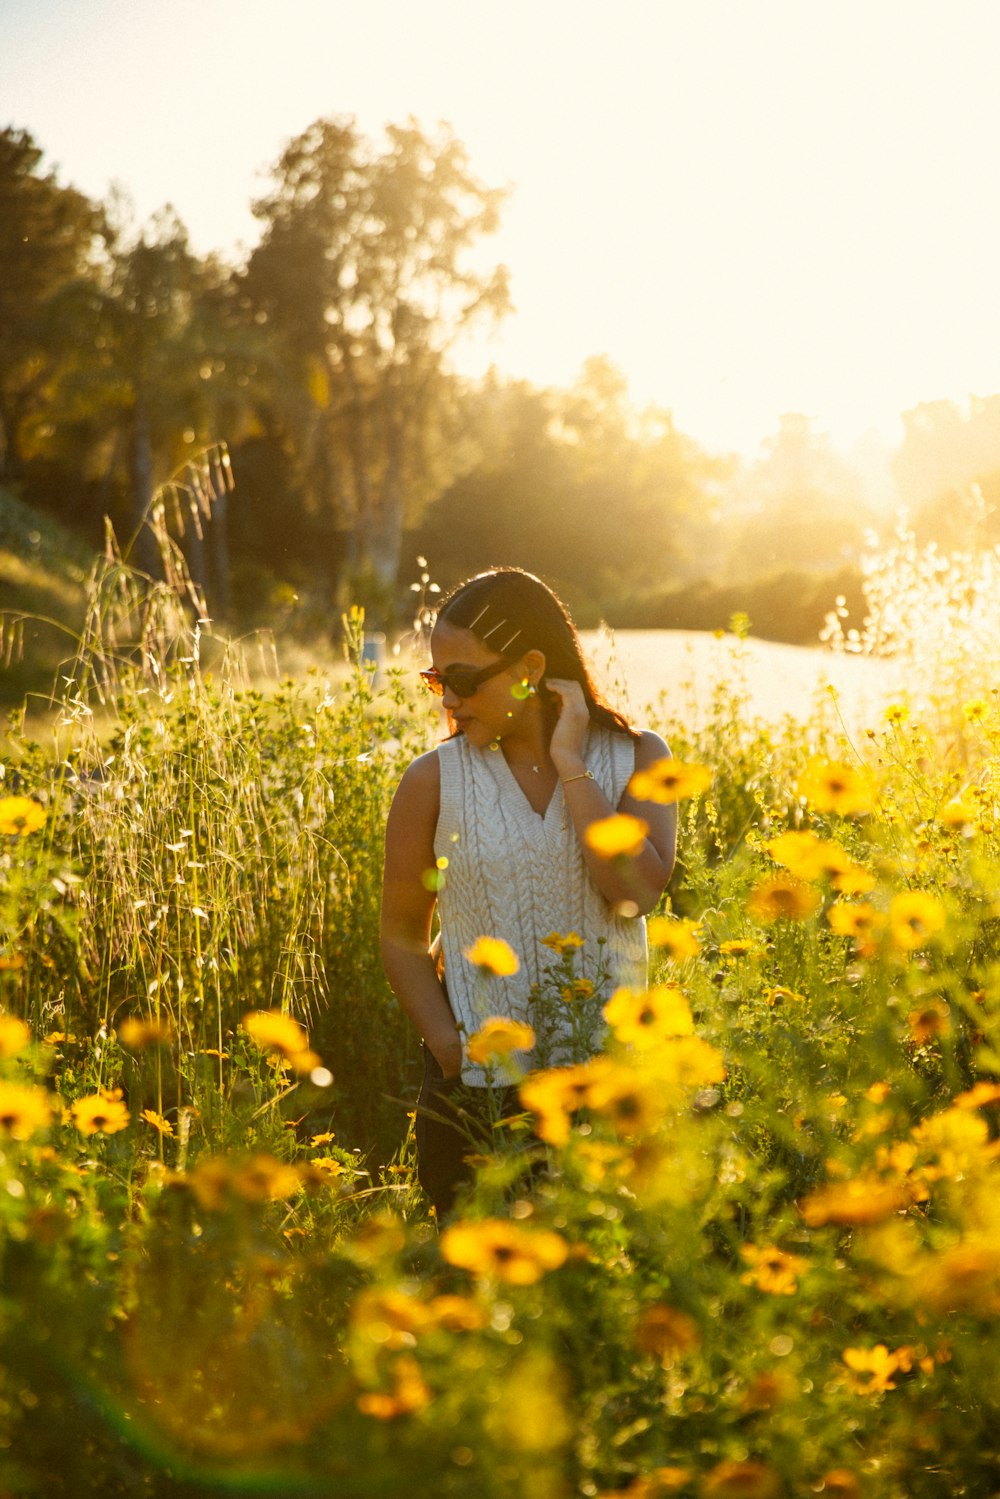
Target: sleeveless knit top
519, 875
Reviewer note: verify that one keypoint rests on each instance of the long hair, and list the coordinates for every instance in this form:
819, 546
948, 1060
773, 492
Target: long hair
512, 611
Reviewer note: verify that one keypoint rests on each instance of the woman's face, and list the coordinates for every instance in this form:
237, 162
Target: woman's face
486, 714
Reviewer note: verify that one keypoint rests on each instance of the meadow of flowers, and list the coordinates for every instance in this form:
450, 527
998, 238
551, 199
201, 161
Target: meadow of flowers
750, 1249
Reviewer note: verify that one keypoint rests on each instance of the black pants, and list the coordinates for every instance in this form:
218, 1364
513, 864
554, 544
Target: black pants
452, 1122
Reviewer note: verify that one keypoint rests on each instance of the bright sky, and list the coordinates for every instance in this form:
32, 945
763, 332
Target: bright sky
752, 206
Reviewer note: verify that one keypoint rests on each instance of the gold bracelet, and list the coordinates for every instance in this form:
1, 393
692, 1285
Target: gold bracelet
584, 775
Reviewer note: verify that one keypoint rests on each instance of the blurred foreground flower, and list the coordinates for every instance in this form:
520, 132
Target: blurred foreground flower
811, 858
136, 1034
772, 1270
862, 1200
494, 956
409, 1393
669, 780
642, 1017
14, 1036
101, 1113
678, 936
914, 918
782, 898
19, 816
872, 1368
619, 836
23, 1111
275, 1031
740, 1480
500, 1250
498, 1037
830, 786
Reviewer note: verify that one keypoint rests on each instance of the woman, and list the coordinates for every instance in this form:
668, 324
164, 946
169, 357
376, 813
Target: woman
491, 827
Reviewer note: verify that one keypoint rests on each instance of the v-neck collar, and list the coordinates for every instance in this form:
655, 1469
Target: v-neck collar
522, 803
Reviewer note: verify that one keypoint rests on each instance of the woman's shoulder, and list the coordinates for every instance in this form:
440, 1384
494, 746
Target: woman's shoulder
420, 780
649, 748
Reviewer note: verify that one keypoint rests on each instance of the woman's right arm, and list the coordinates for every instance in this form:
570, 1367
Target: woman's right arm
407, 908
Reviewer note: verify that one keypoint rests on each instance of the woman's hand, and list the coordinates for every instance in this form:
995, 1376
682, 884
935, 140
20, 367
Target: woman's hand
447, 1051
570, 733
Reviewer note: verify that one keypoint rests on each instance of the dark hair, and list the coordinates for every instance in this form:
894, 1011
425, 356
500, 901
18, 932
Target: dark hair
512, 611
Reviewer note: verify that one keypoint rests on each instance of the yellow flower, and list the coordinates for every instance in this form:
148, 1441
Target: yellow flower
137, 1034
23, 1111
782, 898
858, 920
263, 1178
678, 936
978, 1096
14, 1036
277, 1032
772, 1270
553, 1096
578, 989
663, 1330
779, 994
409, 1393
562, 944
859, 1201
812, 858
976, 710
643, 1017
914, 918
872, 1368
161, 1125
19, 816
633, 1102
620, 836
740, 1480
501, 1250
833, 787
494, 956
737, 947
896, 714
958, 813
498, 1037
929, 1022
669, 780
101, 1113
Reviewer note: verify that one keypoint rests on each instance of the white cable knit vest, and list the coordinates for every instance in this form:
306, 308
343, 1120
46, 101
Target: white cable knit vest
516, 874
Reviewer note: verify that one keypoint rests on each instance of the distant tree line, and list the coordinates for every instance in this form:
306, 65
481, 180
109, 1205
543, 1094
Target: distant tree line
323, 361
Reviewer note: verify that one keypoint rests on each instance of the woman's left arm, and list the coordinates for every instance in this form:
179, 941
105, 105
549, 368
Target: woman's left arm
633, 884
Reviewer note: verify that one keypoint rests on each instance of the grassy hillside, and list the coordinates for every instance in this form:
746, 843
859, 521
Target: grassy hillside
43, 571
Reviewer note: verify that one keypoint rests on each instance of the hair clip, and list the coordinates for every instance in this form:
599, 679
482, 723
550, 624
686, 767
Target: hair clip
493, 629
505, 648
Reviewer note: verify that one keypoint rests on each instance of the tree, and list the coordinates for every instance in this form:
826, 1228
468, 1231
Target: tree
47, 238
361, 277
602, 500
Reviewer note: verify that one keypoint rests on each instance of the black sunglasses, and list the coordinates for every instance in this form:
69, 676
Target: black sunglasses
463, 681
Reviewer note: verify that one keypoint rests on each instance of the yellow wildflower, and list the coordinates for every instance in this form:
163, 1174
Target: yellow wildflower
20, 815
23, 1111
101, 1113
161, 1125
678, 936
858, 1201
409, 1393
277, 1032
643, 1017
858, 919
772, 1270
136, 1034
833, 787
737, 947
494, 956
663, 1330
14, 1036
812, 858
915, 917
553, 1096
779, 994
782, 898
501, 1250
929, 1021
732, 1479
498, 1037
896, 714
669, 780
976, 710
562, 943
577, 990
872, 1368
619, 836
632, 1102
978, 1096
